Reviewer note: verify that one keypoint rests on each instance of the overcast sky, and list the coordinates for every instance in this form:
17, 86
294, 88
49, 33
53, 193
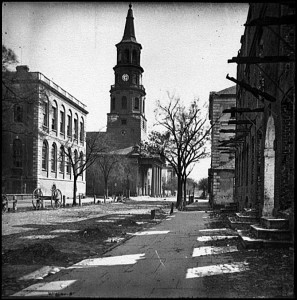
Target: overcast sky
185, 48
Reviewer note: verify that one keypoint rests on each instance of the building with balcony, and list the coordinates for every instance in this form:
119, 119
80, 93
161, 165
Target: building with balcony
39, 118
221, 173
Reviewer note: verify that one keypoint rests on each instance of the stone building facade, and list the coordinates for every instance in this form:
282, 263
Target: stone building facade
221, 173
38, 118
127, 124
265, 109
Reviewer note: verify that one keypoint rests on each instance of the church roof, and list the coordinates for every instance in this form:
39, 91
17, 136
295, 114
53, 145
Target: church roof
228, 91
129, 33
124, 151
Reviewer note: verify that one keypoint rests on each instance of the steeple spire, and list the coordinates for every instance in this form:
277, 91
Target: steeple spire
129, 33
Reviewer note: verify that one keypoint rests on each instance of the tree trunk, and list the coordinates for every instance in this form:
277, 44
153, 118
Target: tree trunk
105, 189
74, 190
185, 190
179, 192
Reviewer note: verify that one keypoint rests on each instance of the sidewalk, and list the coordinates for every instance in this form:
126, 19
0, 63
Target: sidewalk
176, 258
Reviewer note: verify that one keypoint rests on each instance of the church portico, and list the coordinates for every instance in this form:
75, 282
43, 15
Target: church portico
151, 179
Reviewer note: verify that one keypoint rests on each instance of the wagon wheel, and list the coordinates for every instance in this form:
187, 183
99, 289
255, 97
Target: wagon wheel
56, 199
4, 203
36, 200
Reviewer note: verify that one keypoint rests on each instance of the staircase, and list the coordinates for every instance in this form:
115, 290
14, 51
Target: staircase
243, 220
270, 232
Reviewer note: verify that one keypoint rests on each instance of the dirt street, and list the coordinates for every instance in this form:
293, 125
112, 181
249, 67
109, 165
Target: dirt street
49, 240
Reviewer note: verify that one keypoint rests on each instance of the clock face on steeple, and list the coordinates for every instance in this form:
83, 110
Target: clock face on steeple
125, 77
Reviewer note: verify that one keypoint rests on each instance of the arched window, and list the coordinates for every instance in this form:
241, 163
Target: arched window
44, 155
54, 116
62, 120
81, 133
75, 126
62, 159
126, 56
68, 167
134, 57
17, 153
18, 113
143, 106
69, 123
124, 102
136, 104
54, 158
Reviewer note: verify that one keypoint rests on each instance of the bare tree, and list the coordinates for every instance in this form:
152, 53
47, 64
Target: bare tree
96, 143
107, 162
183, 138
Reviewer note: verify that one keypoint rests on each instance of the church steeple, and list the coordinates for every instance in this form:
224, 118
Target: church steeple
126, 120
129, 33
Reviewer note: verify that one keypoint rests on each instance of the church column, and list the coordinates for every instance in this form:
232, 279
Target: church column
153, 181
160, 171
159, 183
161, 190
156, 181
158, 168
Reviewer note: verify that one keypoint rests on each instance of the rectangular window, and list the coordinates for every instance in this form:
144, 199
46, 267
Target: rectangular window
17, 153
62, 161
68, 168
53, 159
124, 122
44, 157
18, 114
62, 122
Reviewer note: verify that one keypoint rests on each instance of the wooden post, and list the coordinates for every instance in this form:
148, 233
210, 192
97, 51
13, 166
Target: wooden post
94, 199
64, 201
14, 203
79, 199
